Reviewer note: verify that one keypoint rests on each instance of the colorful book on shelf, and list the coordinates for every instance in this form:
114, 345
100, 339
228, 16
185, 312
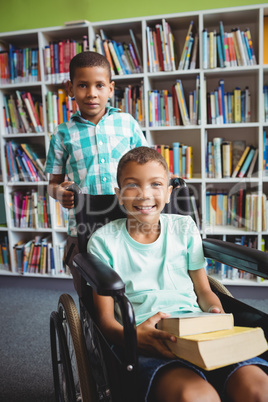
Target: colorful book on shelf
246, 163
182, 103
184, 50
240, 162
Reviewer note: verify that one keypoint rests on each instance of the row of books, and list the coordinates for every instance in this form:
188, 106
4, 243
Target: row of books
131, 100
265, 103
240, 209
4, 253
160, 48
228, 107
169, 109
60, 107
39, 256
29, 209
24, 162
223, 271
3, 218
179, 158
57, 57
265, 150
19, 65
23, 113
124, 58
225, 159
223, 49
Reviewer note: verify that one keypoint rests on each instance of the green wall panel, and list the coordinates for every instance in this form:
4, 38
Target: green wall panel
31, 14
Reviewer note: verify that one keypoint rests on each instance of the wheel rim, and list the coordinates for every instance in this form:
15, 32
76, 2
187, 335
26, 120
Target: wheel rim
62, 370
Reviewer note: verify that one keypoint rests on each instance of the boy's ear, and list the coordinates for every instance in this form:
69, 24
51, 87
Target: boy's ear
70, 89
111, 87
170, 188
118, 194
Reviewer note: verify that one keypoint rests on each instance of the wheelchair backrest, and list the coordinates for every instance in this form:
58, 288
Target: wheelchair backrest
94, 211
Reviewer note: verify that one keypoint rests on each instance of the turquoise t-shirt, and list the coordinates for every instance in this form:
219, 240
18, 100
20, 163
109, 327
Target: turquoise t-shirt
156, 274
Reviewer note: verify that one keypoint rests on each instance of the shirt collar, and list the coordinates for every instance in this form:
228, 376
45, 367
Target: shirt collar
108, 111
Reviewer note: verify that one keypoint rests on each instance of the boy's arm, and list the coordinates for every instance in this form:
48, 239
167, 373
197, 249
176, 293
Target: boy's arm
207, 300
57, 189
150, 341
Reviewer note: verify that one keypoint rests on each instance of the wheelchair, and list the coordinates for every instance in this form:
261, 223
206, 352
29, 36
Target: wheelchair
85, 366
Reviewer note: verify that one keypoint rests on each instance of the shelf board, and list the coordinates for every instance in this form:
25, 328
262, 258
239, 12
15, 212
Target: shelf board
27, 183
21, 85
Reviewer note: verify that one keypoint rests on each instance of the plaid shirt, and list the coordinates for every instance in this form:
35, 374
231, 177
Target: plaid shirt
89, 153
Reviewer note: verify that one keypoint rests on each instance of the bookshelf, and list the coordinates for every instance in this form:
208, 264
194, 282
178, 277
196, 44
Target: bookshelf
196, 136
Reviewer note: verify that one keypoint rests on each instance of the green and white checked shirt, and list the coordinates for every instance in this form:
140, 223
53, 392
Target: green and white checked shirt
89, 154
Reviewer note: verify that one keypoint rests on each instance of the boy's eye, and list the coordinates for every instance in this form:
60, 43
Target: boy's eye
156, 184
82, 85
131, 185
100, 85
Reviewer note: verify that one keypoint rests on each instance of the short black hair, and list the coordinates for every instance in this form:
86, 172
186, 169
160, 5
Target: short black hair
89, 59
141, 155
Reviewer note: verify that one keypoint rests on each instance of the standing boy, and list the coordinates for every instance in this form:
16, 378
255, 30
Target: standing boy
88, 147
160, 259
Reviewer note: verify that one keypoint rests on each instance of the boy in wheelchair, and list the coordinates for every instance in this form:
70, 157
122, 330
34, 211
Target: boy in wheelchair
160, 259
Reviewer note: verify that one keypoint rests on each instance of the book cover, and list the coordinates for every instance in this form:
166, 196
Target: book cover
182, 324
240, 162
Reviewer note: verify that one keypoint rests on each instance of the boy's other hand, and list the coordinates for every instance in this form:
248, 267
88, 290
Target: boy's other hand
65, 197
151, 341
215, 309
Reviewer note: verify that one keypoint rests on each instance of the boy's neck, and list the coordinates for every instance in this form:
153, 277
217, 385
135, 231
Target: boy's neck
144, 233
95, 120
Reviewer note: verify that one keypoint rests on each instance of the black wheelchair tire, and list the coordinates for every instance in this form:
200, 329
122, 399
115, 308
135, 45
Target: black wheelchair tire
83, 381
62, 371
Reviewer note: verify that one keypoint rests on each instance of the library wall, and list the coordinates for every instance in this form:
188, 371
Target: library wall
15, 14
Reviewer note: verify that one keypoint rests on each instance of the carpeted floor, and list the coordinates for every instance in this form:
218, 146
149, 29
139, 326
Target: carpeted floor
25, 362
25, 369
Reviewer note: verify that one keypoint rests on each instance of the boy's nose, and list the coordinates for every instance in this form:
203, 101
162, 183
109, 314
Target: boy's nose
145, 192
91, 92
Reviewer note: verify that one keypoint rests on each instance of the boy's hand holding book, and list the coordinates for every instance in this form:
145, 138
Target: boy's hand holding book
151, 341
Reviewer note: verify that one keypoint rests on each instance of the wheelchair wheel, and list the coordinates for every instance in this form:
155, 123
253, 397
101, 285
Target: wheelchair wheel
81, 373
62, 370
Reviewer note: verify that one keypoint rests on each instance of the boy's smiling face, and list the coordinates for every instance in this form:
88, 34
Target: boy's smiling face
91, 89
144, 191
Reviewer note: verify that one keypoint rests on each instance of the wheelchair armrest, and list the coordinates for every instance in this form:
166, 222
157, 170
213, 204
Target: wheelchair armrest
104, 280
237, 256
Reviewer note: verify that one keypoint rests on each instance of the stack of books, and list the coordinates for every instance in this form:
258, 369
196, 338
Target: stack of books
211, 340
124, 58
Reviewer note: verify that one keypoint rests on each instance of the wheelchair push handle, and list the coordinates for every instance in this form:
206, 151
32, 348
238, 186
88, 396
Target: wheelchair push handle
74, 188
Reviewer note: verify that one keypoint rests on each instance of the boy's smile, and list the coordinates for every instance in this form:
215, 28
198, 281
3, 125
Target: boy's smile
144, 193
91, 88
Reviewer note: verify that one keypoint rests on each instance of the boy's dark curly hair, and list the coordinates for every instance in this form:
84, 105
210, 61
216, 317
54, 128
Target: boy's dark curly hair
140, 155
88, 59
